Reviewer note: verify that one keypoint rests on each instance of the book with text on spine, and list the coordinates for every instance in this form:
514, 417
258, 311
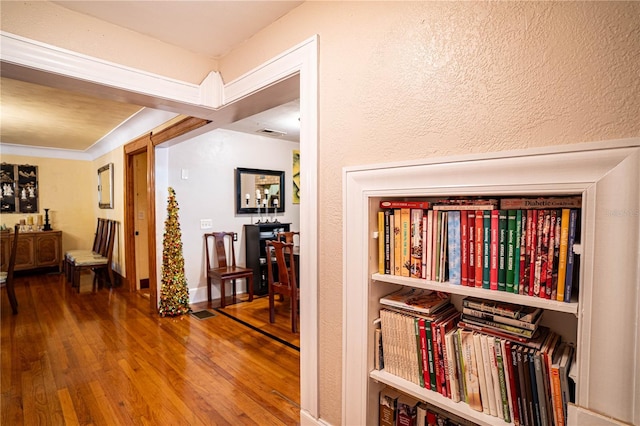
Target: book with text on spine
416, 299
393, 204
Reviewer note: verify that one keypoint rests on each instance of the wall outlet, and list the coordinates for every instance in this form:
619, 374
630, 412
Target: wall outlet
206, 223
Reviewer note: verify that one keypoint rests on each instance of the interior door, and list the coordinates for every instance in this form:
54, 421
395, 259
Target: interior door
141, 210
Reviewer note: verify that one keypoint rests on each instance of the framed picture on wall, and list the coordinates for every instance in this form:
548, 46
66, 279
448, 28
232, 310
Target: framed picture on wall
28, 188
7, 188
296, 176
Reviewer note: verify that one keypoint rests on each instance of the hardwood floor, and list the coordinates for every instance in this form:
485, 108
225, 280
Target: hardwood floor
100, 358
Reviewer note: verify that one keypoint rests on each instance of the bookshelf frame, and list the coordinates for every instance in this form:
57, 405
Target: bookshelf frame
605, 174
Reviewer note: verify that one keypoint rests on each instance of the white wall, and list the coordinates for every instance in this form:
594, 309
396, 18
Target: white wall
210, 161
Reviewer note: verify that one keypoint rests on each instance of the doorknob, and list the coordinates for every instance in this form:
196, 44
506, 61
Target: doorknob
137, 233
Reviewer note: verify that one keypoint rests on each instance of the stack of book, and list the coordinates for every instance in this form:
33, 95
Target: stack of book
500, 319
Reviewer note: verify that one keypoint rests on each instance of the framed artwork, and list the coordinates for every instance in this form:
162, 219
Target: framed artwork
19, 188
296, 176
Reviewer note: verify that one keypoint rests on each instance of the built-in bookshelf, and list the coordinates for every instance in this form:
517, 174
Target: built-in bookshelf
604, 175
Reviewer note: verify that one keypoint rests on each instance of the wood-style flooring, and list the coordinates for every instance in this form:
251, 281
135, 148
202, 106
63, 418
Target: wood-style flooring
100, 358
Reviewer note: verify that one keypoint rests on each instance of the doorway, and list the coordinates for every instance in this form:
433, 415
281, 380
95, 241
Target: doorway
141, 209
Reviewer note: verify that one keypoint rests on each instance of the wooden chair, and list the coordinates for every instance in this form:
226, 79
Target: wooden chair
6, 277
99, 262
286, 284
225, 268
289, 237
99, 240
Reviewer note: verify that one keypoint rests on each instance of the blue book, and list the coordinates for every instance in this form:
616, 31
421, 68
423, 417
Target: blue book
573, 220
453, 235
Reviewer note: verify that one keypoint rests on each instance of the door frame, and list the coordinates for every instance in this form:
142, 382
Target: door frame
40, 63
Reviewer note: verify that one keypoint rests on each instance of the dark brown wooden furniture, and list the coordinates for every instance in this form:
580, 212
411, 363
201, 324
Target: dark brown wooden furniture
289, 237
6, 277
225, 268
286, 284
37, 249
99, 239
256, 236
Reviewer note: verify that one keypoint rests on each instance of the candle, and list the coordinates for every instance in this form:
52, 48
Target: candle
265, 202
257, 194
247, 196
40, 221
266, 192
275, 202
22, 222
29, 220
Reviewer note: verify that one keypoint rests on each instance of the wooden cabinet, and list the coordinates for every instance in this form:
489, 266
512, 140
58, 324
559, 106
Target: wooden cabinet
256, 237
35, 249
605, 175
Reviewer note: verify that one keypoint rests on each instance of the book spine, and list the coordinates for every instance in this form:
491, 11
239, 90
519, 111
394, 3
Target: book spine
541, 203
471, 270
523, 252
453, 387
415, 254
464, 247
505, 328
393, 204
502, 250
431, 383
405, 230
533, 251
479, 242
486, 249
388, 220
435, 386
540, 388
521, 220
471, 369
556, 256
551, 252
524, 402
512, 366
397, 243
489, 397
428, 249
460, 365
437, 242
538, 260
481, 373
444, 271
562, 257
423, 260
454, 249
500, 319
494, 243
507, 378
544, 256
416, 325
491, 345
512, 249
573, 218
424, 356
381, 244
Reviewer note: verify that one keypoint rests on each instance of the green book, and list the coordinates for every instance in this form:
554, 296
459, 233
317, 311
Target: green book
502, 250
511, 249
486, 250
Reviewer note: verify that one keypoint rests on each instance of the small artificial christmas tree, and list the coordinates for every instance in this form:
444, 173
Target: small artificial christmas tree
174, 293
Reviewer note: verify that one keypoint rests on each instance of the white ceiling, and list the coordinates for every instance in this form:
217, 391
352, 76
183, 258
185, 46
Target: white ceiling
42, 116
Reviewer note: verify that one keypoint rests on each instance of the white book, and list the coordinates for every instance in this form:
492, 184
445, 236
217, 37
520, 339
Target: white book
452, 365
429, 245
491, 396
481, 373
494, 376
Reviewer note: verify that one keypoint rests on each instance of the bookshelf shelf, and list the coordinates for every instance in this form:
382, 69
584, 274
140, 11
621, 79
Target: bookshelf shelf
501, 296
606, 291
460, 409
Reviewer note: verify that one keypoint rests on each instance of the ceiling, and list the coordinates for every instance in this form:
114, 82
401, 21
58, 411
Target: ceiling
36, 115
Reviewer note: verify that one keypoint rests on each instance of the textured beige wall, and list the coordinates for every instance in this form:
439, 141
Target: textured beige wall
408, 80
66, 189
52, 24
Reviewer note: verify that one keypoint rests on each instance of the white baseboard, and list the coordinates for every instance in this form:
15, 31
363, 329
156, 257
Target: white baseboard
307, 419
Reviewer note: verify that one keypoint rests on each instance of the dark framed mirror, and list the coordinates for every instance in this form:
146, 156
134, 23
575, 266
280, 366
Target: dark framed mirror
259, 187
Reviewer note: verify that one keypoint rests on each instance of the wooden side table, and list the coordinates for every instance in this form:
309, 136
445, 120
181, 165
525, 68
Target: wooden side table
38, 249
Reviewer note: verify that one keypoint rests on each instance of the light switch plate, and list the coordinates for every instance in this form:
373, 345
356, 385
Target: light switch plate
185, 174
206, 223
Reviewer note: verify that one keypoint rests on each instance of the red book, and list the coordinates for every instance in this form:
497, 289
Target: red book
423, 352
523, 253
513, 381
443, 326
532, 248
552, 268
541, 255
493, 273
471, 271
464, 247
479, 247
